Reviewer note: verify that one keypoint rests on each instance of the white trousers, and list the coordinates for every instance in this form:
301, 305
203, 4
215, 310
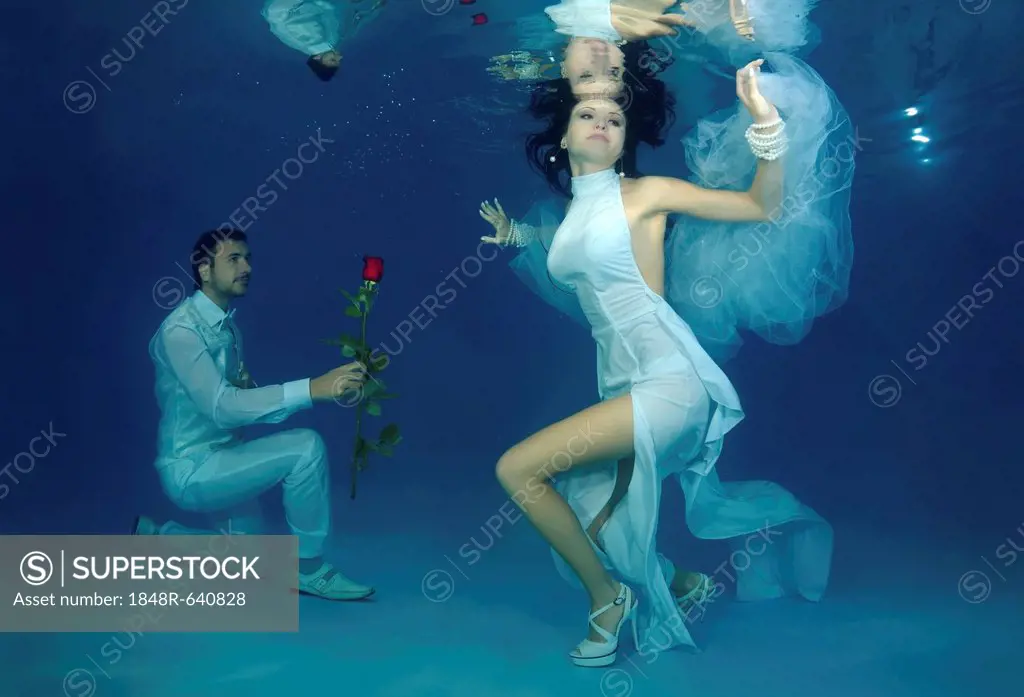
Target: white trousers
228, 483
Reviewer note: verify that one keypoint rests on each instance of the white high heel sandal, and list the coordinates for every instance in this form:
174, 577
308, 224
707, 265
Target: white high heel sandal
597, 654
697, 597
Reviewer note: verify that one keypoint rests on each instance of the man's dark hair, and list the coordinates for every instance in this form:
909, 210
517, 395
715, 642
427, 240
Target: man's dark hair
205, 249
324, 72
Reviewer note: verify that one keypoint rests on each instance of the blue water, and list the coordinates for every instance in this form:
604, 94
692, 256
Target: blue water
922, 483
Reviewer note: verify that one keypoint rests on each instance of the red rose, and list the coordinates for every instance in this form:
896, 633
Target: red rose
373, 269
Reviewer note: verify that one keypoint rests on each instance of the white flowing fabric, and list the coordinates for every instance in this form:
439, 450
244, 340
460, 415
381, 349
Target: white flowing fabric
772, 278
683, 405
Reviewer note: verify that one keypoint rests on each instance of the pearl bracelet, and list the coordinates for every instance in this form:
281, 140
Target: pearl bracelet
520, 234
768, 146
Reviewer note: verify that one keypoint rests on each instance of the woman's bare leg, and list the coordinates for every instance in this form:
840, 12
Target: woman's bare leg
600, 433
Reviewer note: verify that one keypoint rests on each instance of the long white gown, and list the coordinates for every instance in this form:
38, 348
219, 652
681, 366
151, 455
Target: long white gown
722, 281
683, 406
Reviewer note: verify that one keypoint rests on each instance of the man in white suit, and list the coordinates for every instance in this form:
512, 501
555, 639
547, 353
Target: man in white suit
317, 27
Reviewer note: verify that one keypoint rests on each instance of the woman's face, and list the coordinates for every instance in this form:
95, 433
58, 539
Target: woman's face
597, 132
593, 66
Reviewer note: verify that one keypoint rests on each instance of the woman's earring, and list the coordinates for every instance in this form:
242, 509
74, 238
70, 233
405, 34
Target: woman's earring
552, 158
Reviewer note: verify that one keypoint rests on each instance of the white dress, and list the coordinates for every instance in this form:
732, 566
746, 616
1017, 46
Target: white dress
683, 405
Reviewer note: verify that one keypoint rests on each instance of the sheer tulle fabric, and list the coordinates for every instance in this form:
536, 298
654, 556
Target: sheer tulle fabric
772, 278
531, 263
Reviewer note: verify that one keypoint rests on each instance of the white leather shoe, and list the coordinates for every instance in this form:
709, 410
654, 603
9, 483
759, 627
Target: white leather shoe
597, 654
330, 584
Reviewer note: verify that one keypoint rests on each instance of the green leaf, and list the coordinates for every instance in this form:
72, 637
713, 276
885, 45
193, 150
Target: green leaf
371, 389
379, 360
355, 305
348, 351
385, 450
373, 409
361, 447
389, 434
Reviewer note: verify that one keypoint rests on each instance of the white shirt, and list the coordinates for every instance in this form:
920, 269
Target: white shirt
310, 26
195, 350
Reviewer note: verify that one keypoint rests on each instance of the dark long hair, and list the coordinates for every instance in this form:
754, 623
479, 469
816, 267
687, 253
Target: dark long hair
648, 105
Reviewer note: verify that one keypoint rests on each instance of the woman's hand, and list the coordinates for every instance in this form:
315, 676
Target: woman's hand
740, 16
747, 90
495, 215
636, 20
520, 65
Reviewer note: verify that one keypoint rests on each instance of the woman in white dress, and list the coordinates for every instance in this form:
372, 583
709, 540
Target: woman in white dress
665, 406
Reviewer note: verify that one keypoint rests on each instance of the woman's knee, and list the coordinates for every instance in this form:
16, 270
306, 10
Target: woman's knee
504, 470
513, 469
